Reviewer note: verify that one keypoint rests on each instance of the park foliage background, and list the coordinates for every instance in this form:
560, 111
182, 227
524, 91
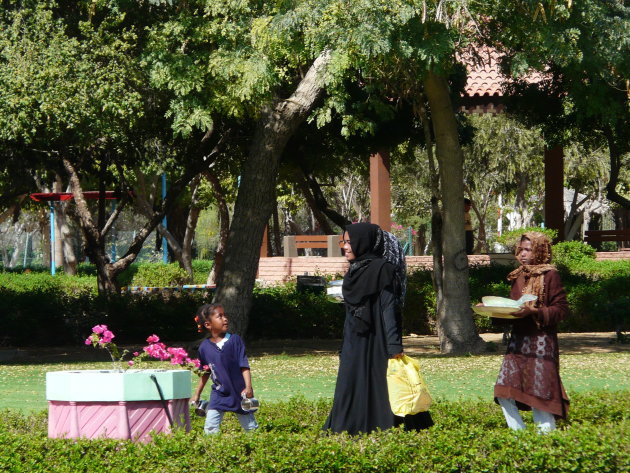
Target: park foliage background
70, 305
267, 110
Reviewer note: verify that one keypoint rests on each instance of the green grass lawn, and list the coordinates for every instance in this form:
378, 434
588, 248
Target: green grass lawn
280, 377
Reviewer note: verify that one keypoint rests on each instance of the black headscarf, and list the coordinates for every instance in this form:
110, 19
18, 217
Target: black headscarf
369, 273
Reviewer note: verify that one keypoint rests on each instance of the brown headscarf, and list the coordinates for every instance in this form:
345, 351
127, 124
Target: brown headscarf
535, 273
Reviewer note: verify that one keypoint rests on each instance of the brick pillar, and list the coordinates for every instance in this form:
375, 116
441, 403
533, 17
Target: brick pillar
264, 253
290, 250
380, 190
554, 190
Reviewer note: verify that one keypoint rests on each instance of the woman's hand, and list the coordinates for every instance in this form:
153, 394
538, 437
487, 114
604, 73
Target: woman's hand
526, 311
398, 355
194, 399
248, 392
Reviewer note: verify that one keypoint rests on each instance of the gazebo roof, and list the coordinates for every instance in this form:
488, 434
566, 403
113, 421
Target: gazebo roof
484, 77
484, 86
484, 90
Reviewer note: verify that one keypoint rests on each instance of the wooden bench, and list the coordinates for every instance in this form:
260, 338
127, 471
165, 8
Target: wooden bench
293, 243
595, 236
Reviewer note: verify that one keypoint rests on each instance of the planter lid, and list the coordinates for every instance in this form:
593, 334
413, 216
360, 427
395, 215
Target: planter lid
113, 385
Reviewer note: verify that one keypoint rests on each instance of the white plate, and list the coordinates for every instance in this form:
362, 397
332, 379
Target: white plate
497, 312
494, 301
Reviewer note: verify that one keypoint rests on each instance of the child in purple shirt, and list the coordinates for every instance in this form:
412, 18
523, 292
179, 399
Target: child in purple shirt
224, 355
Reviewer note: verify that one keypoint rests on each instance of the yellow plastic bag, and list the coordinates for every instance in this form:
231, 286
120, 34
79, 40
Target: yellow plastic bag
408, 393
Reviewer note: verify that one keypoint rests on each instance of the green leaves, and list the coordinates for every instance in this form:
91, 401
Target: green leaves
56, 89
468, 436
583, 47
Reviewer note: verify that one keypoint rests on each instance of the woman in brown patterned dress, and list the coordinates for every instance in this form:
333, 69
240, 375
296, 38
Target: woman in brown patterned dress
529, 378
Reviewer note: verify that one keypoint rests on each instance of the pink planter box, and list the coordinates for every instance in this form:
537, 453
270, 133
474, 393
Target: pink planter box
134, 420
117, 404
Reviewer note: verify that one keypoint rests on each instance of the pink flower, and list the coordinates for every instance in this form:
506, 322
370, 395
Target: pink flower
205, 368
157, 350
99, 328
178, 355
107, 336
103, 337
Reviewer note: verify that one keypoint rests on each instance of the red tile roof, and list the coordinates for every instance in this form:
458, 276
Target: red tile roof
484, 77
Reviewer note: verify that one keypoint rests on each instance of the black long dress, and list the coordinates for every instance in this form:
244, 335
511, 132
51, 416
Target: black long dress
361, 402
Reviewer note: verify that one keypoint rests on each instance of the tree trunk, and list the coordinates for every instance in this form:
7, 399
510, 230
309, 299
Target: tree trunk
436, 213
13, 209
310, 200
94, 246
182, 252
43, 222
277, 241
59, 221
106, 272
64, 250
482, 243
69, 257
19, 245
256, 194
191, 227
456, 328
522, 210
320, 202
616, 153
224, 226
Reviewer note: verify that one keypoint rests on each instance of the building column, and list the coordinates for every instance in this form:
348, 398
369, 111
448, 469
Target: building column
264, 247
380, 190
554, 190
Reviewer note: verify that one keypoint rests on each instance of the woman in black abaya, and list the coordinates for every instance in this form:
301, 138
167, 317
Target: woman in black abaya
373, 291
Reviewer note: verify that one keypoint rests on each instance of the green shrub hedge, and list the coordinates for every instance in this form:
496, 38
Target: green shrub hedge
511, 238
597, 292
284, 312
567, 254
468, 437
36, 308
137, 274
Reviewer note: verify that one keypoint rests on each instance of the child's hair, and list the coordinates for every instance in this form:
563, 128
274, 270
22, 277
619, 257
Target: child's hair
203, 315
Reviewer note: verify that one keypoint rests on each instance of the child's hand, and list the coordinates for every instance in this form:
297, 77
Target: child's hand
194, 399
248, 392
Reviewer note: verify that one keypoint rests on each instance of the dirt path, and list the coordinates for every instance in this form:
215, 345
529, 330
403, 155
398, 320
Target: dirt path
570, 343
427, 345
593, 342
